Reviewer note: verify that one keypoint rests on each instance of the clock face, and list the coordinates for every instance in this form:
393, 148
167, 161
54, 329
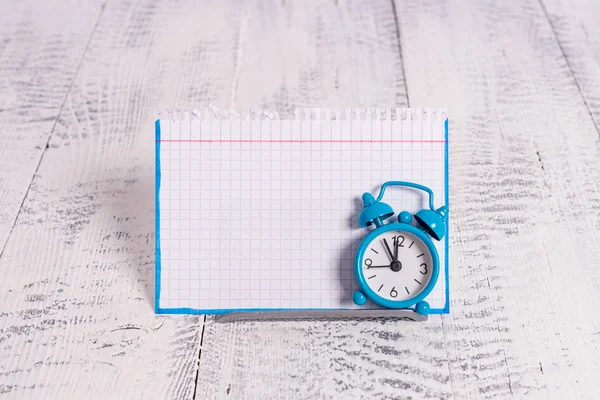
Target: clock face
397, 265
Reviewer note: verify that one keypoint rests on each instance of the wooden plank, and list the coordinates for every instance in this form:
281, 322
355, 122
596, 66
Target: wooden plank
318, 359
333, 54
38, 59
78, 272
340, 54
524, 170
575, 24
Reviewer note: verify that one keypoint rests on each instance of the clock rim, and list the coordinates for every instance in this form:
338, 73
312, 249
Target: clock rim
360, 278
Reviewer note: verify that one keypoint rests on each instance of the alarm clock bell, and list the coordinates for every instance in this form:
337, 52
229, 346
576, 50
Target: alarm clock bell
433, 222
374, 212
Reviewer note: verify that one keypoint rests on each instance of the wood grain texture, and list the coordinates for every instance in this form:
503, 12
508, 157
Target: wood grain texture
41, 48
317, 53
519, 79
575, 25
77, 312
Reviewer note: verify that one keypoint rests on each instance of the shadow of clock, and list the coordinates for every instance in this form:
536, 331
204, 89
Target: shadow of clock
347, 281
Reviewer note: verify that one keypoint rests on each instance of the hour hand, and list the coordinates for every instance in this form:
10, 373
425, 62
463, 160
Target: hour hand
388, 250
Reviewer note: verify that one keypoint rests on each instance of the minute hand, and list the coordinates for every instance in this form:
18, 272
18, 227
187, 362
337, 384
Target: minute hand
388, 250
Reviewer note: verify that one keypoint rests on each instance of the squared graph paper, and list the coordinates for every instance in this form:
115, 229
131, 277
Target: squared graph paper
258, 212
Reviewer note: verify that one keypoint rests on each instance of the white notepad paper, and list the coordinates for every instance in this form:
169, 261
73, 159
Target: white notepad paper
256, 211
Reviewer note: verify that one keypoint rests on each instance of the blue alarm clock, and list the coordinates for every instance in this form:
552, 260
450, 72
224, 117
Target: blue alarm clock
396, 264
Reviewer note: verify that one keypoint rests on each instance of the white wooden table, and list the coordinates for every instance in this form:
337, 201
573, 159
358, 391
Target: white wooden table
80, 83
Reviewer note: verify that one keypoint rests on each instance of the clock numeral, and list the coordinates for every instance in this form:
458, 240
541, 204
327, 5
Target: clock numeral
424, 266
406, 287
421, 255
418, 282
368, 262
380, 287
397, 241
393, 292
372, 277
411, 244
374, 251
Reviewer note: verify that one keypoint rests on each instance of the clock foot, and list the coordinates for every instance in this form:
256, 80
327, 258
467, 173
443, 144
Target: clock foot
422, 308
359, 298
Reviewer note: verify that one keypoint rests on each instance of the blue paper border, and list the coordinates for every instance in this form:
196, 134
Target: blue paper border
447, 201
157, 217
187, 311
446, 309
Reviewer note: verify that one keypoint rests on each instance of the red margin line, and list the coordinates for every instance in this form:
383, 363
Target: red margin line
299, 141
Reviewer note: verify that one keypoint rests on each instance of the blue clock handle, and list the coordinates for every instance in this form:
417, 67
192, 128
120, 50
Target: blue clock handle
407, 184
432, 220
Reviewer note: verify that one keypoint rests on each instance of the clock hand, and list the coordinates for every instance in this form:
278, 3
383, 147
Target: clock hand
378, 266
396, 250
388, 251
